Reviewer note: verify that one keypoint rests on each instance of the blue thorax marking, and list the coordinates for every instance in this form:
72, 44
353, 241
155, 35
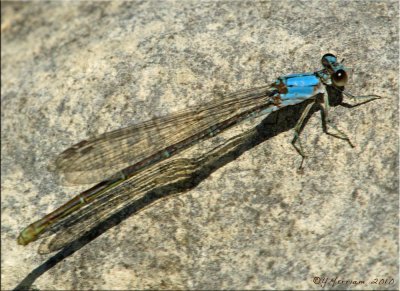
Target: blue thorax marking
298, 86
301, 80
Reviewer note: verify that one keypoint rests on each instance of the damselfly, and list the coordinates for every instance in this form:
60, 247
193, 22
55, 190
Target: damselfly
138, 155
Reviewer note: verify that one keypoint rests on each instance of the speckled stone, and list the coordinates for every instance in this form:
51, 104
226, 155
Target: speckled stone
71, 70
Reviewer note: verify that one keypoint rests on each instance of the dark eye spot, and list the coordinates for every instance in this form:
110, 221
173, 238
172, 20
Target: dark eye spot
340, 78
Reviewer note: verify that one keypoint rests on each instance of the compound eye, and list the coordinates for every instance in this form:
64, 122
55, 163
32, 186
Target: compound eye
327, 60
340, 78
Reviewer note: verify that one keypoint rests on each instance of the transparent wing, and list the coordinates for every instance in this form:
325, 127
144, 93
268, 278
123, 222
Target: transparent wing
157, 176
97, 158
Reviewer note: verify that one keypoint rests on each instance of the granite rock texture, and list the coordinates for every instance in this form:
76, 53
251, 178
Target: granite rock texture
71, 70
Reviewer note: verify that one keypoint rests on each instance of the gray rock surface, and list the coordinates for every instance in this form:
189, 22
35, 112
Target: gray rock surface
71, 70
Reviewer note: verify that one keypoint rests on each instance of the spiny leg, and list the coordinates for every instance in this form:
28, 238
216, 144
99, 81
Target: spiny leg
297, 131
362, 98
326, 121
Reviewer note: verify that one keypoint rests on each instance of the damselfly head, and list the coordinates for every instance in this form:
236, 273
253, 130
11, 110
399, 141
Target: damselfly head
337, 71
